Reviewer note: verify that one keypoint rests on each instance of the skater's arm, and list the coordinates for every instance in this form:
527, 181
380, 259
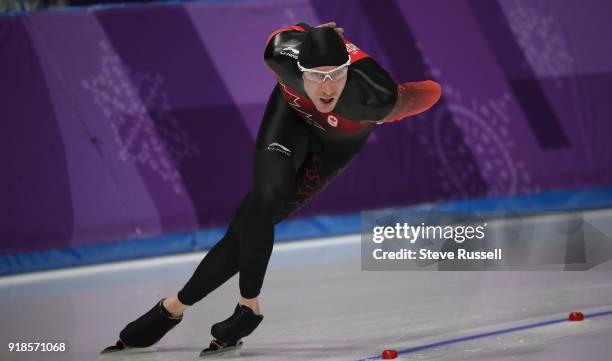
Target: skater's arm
414, 98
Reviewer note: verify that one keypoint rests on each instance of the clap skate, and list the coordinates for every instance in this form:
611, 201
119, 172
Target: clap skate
228, 333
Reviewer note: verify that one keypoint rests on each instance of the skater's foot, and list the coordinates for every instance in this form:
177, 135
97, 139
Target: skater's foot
147, 329
251, 303
174, 306
240, 324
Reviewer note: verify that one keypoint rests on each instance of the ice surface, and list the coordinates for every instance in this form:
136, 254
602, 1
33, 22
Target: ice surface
318, 305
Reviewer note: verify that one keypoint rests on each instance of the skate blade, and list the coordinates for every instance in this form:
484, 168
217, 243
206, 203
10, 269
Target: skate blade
119, 346
227, 349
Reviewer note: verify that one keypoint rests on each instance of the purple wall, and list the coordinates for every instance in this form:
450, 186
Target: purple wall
129, 122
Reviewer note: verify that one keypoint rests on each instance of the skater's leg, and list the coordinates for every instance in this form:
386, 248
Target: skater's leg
274, 180
283, 137
317, 172
281, 147
273, 183
220, 264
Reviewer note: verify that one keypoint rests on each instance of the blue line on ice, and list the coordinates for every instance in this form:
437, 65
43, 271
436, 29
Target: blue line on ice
486, 334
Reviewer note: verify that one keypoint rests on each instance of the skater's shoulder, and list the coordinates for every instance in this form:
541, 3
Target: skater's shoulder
370, 92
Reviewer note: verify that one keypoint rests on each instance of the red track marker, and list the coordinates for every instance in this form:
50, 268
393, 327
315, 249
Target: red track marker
576, 316
389, 354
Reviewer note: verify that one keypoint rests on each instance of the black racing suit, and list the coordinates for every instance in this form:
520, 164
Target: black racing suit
298, 152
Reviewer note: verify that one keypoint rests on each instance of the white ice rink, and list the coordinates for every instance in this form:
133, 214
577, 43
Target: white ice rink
319, 305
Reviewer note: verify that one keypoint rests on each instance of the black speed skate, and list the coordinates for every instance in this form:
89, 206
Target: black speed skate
228, 333
146, 330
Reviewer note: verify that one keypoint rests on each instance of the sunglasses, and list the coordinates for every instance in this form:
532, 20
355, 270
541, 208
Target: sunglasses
320, 76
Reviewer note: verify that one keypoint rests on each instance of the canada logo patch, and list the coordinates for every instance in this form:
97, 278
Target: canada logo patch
333, 121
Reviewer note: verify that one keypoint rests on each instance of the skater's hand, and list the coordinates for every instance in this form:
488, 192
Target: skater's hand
332, 25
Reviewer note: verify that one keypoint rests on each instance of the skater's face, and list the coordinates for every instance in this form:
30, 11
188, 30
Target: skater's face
324, 94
